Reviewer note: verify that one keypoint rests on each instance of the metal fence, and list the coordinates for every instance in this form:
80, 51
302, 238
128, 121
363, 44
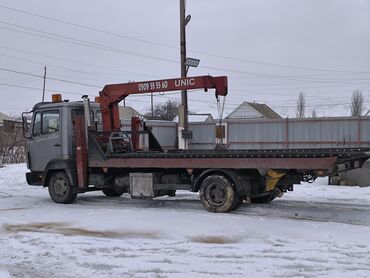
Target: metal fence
204, 135
337, 132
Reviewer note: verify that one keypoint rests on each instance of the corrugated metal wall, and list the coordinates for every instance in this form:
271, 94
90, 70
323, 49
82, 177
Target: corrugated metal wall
204, 135
255, 134
270, 134
299, 133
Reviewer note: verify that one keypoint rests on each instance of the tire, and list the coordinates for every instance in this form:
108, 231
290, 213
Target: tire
238, 202
60, 188
171, 193
111, 192
264, 199
334, 180
217, 194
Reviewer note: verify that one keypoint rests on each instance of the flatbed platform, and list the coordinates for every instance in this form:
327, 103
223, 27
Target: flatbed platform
340, 153
329, 160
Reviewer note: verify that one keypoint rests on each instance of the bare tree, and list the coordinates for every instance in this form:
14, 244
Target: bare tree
314, 114
11, 143
164, 111
301, 105
357, 104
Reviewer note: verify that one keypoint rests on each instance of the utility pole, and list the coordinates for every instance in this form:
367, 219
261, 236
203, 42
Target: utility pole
43, 87
184, 98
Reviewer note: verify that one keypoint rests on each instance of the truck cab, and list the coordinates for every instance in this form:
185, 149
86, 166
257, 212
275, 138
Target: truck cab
50, 136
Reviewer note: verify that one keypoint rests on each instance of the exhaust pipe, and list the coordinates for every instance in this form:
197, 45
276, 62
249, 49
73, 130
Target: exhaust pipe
86, 104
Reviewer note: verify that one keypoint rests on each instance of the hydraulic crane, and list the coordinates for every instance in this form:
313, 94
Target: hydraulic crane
112, 94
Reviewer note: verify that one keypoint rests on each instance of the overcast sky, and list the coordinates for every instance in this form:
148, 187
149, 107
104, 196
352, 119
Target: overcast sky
270, 49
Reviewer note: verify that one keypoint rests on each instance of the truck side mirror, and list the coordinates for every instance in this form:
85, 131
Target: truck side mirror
26, 127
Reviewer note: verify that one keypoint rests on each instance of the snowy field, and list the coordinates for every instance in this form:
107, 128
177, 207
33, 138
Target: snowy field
315, 231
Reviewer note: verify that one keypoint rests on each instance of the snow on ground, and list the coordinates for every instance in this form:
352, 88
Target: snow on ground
315, 231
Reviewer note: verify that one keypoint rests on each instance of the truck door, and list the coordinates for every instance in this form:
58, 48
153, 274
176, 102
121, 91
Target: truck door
45, 142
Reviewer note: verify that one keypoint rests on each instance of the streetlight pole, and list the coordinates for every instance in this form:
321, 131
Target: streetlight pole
43, 87
184, 96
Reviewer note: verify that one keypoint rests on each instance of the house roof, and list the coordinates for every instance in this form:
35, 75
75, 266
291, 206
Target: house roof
252, 110
192, 118
126, 113
3, 117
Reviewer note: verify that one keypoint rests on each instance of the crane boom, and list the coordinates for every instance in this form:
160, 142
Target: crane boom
112, 94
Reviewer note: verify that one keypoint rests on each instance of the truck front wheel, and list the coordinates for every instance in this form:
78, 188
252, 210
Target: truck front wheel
60, 189
217, 194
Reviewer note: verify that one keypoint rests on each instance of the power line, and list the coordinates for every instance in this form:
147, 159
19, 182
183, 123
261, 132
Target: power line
281, 91
14, 77
51, 78
167, 94
71, 40
65, 92
107, 76
74, 82
231, 89
269, 76
58, 67
278, 65
173, 47
236, 103
125, 52
40, 89
89, 28
276, 86
89, 85
20, 80
76, 62
20, 72
231, 106
69, 81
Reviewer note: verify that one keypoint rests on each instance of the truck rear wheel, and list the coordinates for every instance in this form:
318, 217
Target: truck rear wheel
217, 194
238, 202
60, 189
264, 199
111, 192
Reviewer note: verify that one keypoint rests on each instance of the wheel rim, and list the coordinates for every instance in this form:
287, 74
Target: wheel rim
216, 194
60, 187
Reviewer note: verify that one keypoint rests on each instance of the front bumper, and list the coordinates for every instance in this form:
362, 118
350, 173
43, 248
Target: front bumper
33, 178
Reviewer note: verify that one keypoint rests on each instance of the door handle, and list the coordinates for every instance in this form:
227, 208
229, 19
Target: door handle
57, 145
